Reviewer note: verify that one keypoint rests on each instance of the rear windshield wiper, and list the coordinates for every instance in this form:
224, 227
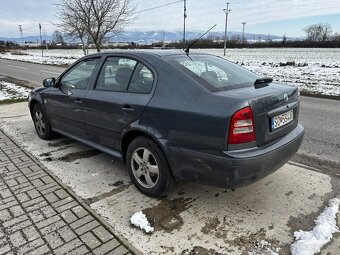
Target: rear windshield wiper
261, 82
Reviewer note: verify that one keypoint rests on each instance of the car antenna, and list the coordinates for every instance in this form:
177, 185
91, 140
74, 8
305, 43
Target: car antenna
188, 48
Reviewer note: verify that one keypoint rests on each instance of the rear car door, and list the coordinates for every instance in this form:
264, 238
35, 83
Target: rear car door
119, 97
65, 102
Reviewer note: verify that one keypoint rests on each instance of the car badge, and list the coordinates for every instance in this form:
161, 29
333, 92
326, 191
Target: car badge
285, 97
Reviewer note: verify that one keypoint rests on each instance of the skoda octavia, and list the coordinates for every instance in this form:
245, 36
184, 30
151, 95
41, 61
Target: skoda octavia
172, 116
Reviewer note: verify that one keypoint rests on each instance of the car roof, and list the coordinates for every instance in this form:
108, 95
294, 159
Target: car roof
154, 52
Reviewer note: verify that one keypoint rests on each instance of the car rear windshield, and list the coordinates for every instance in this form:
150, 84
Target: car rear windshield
214, 73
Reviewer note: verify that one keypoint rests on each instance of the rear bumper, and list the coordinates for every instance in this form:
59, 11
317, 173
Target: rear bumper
232, 169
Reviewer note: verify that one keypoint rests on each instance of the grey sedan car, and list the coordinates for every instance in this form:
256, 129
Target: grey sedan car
172, 116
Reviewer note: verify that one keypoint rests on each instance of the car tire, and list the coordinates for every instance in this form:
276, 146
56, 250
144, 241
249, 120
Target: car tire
41, 123
148, 167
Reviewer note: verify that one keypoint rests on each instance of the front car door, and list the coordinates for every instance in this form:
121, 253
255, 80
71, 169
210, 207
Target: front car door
65, 102
119, 97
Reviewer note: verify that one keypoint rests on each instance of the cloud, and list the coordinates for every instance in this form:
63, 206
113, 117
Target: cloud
201, 14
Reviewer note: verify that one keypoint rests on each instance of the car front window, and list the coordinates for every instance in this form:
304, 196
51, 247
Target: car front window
215, 73
79, 76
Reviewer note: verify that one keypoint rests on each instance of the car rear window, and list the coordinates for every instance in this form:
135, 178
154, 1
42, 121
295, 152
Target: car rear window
215, 73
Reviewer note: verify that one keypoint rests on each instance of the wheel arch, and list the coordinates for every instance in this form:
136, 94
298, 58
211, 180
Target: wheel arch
33, 103
130, 135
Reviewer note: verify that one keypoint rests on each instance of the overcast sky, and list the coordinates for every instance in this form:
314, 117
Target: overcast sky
275, 17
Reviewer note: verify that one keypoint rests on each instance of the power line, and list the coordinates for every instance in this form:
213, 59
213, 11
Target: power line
160, 6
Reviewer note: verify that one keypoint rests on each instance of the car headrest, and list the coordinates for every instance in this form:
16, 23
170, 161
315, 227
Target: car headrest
123, 75
209, 76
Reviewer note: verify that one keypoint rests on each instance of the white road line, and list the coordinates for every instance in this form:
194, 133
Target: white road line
19, 67
43, 71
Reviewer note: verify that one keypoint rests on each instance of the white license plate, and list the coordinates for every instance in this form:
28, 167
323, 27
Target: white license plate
282, 119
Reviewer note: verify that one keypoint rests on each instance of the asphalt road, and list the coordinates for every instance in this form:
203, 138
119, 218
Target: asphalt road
321, 145
321, 117
33, 73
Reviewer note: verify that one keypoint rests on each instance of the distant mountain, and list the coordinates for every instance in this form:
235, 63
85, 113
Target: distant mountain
33, 39
156, 36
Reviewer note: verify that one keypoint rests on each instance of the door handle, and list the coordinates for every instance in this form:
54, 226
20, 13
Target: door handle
78, 101
127, 108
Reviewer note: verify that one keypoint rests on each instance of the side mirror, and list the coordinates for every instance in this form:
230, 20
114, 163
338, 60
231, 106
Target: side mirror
49, 82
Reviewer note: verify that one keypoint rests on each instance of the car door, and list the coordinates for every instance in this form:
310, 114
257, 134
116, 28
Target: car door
65, 102
122, 91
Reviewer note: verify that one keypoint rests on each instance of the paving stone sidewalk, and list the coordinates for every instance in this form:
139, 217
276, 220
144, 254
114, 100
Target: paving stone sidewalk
39, 216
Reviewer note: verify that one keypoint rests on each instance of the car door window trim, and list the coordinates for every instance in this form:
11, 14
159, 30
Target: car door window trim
150, 68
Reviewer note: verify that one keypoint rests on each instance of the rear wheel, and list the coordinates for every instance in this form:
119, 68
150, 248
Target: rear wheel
148, 167
41, 123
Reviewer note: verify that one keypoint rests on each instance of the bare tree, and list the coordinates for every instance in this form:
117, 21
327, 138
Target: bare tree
95, 19
73, 26
318, 32
336, 37
57, 37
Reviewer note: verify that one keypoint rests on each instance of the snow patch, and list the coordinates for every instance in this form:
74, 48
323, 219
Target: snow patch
311, 242
139, 220
12, 91
316, 71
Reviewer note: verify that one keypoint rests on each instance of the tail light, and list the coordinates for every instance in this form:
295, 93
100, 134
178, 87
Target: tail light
241, 129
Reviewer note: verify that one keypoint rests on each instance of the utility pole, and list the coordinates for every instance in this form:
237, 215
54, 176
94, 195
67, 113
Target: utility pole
22, 38
163, 39
227, 11
45, 39
243, 23
185, 16
42, 47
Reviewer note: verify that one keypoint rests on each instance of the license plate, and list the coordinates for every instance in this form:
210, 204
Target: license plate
282, 119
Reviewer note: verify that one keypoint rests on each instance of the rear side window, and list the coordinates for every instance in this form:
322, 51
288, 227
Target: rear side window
215, 73
142, 80
115, 74
79, 76
124, 74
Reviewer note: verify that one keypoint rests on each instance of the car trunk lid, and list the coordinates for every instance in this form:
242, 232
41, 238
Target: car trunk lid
269, 101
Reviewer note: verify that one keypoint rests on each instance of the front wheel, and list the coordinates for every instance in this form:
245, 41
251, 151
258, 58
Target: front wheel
148, 167
41, 123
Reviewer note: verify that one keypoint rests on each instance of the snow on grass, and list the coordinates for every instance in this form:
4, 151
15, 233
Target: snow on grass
139, 220
50, 60
311, 242
313, 70
9, 91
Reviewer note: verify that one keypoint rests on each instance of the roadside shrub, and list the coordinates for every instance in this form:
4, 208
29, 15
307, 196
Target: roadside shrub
288, 63
19, 53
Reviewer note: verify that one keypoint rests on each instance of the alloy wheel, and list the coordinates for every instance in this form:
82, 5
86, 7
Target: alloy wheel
39, 122
145, 167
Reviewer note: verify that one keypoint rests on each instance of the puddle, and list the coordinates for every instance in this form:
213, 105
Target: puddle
211, 225
247, 243
79, 155
165, 216
198, 250
47, 154
62, 143
116, 184
95, 199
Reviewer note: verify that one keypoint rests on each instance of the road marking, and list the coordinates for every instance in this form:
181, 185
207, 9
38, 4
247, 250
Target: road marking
19, 67
43, 71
